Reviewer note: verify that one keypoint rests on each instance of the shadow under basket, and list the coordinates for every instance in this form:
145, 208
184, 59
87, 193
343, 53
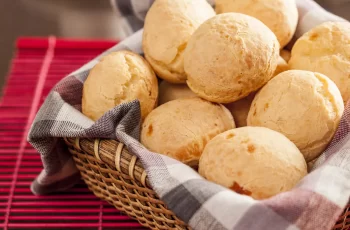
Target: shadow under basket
116, 176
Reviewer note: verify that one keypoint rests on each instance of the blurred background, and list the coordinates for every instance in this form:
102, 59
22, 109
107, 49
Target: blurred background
93, 19
75, 19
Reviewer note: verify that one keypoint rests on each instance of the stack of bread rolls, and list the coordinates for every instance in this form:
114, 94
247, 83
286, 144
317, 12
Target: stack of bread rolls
232, 103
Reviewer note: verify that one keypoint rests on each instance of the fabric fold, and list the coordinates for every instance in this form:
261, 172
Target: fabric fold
315, 203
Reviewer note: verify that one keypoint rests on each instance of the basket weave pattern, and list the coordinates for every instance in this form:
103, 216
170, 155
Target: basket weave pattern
343, 222
116, 176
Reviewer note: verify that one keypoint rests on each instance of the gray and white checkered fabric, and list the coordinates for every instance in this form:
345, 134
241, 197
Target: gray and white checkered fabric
315, 203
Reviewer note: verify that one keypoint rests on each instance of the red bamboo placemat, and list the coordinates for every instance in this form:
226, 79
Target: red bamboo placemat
38, 64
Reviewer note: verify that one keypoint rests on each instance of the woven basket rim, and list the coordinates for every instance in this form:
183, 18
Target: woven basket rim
126, 163
123, 173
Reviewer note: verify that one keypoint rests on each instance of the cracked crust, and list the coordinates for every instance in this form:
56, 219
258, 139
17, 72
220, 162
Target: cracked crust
229, 56
168, 27
304, 106
281, 16
173, 72
119, 77
261, 161
181, 128
325, 49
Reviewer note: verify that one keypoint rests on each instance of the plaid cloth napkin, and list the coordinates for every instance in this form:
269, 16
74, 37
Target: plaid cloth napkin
315, 203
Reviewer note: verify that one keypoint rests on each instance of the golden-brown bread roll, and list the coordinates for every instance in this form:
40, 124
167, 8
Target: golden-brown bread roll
304, 106
181, 128
282, 66
240, 109
285, 54
229, 56
170, 92
253, 161
281, 16
168, 27
325, 49
119, 77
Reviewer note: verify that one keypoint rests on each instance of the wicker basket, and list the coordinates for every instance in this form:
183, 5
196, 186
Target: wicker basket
116, 176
